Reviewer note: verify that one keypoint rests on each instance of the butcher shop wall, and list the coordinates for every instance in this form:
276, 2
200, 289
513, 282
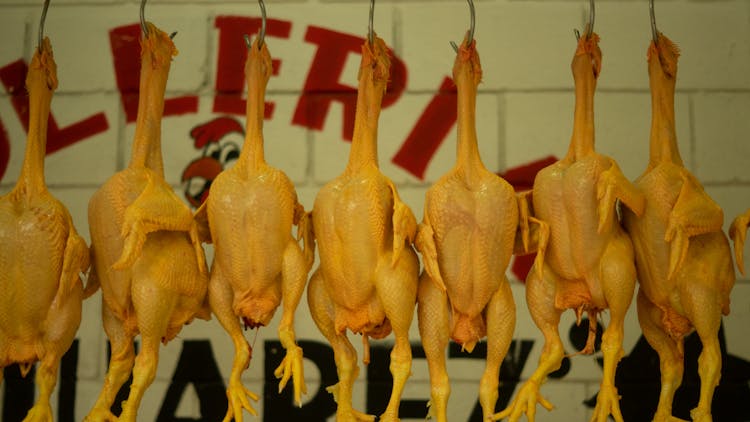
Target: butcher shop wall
524, 112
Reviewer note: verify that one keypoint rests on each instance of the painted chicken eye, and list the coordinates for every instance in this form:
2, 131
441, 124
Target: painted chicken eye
230, 152
196, 186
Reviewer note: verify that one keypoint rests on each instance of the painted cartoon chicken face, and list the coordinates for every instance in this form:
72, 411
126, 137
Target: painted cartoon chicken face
219, 141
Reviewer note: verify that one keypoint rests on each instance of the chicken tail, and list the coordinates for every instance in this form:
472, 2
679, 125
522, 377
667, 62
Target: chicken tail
304, 223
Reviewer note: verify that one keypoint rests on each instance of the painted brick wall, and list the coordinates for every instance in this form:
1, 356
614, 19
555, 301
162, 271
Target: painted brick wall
524, 113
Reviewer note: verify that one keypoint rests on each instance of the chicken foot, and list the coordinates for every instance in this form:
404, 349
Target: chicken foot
531, 239
321, 309
295, 267
120, 365
220, 296
612, 186
670, 356
540, 297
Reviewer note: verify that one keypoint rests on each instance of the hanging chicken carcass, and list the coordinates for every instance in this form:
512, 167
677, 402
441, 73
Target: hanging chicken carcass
146, 253
466, 240
257, 264
41, 255
682, 256
367, 278
587, 263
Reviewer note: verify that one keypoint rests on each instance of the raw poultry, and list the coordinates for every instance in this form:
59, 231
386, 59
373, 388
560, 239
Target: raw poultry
257, 263
41, 255
683, 259
587, 263
367, 278
146, 253
738, 232
466, 240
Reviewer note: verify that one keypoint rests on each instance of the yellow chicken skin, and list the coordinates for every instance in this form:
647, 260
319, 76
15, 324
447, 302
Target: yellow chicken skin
466, 240
146, 253
683, 259
587, 262
367, 278
738, 232
257, 263
41, 254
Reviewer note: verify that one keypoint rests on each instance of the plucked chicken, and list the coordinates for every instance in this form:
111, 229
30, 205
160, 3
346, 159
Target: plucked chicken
683, 259
146, 253
586, 263
257, 263
41, 255
367, 278
466, 240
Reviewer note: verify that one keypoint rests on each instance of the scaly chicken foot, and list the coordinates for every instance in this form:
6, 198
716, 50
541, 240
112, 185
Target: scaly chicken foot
46, 377
404, 225
607, 403
531, 240
524, 403
291, 366
220, 296
347, 413
501, 321
738, 231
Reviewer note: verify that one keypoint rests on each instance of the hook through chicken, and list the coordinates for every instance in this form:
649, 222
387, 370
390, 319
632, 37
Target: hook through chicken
370, 30
471, 27
262, 34
590, 24
144, 28
41, 23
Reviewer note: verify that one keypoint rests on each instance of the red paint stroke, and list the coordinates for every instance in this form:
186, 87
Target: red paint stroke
13, 77
322, 86
430, 131
4, 150
230, 66
126, 55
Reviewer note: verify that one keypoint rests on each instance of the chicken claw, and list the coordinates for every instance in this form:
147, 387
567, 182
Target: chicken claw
426, 245
237, 395
524, 403
737, 232
607, 403
100, 414
292, 367
342, 415
39, 413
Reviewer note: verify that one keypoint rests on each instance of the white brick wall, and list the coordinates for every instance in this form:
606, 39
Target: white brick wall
524, 112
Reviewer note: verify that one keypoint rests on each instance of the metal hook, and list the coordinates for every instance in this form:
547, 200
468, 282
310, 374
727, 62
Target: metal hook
592, 16
144, 28
654, 32
41, 23
471, 27
262, 34
370, 30
590, 24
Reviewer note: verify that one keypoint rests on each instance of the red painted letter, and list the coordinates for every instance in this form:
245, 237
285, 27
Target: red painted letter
13, 77
322, 86
126, 54
230, 67
429, 132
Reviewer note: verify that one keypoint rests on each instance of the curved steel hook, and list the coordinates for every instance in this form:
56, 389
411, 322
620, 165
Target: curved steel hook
41, 23
592, 16
370, 30
262, 34
471, 27
144, 28
654, 32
